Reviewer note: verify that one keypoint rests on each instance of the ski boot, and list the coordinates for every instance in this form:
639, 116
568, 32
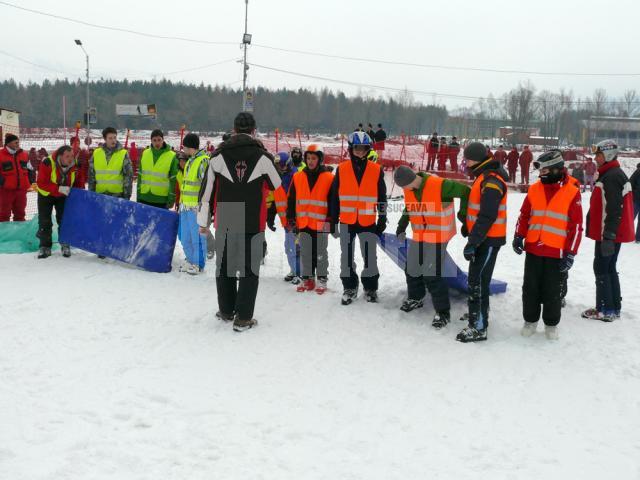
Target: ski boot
440, 320
371, 296
321, 286
225, 317
349, 295
409, 305
594, 314
471, 334
528, 329
44, 252
289, 276
551, 332
242, 325
307, 285
193, 269
296, 280
66, 250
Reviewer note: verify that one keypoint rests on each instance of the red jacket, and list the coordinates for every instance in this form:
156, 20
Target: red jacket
443, 152
574, 227
526, 157
44, 177
501, 156
14, 171
512, 160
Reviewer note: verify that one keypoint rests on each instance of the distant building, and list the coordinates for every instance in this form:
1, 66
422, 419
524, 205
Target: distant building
9, 123
624, 130
527, 136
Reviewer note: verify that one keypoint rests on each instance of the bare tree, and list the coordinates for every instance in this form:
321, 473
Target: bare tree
599, 102
549, 109
519, 107
630, 98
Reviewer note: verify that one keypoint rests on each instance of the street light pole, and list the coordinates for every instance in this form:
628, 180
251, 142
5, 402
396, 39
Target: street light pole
246, 41
79, 43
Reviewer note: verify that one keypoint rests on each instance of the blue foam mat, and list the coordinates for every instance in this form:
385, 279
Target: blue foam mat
133, 233
455, 277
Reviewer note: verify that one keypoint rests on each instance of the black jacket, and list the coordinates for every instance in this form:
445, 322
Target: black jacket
613, 181
235, 186
312, 178
635, 184
380, 136
358, 169
489, 203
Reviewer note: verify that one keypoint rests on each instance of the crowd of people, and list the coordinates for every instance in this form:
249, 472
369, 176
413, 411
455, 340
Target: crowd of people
241, 189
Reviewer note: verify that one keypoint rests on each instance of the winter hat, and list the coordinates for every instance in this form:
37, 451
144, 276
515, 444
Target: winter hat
9, 137
552, 158
244, 122
476, 152
403, 176
191, 140
157, 133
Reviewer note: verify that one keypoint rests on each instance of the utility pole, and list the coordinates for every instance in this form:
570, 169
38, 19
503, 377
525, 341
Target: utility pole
246, 41
79, 43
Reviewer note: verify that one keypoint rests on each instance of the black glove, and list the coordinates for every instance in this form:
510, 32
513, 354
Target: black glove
381, 226
566, 263
518, 244
335, 230
607, 247
464, 231
292, 226
271, 217
470, 252
271, 224
401, 234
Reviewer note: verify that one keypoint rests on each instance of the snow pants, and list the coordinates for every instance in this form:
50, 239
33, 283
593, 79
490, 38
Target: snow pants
431, 163
368, 244
512, 175
12, 202
480, 273
425, 265
292, 249
193, 243
313, 253
46, 205
524, 174
238, 258
453, 160
542, 290
608, 294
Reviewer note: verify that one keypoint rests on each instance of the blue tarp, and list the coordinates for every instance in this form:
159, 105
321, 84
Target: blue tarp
456, 278
133, 233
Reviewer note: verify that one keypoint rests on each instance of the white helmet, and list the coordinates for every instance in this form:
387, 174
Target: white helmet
608, 148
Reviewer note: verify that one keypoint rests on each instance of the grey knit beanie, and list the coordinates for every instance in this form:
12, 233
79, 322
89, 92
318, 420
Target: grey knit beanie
403, 176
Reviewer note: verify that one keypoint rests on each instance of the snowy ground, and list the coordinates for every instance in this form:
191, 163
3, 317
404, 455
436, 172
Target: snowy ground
111, 372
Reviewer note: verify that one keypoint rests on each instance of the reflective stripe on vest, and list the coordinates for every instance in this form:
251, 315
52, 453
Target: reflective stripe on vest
190, 184
431, 220
548, 223
152, 177
499, 227
312, 206
357, 202
109, 176
54, 177
280, 199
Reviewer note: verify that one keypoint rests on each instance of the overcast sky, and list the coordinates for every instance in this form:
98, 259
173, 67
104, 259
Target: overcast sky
542, 35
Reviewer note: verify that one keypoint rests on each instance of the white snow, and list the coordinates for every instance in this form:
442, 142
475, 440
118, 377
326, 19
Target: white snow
109, 372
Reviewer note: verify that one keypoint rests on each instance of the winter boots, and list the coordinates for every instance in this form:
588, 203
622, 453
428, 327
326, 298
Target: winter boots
551, 332
242, 325
66, 250
528, 329
349, 295
371, 296
321, 285
440, 320
594, 314
44, 252
470, 334
409, 305
225, 317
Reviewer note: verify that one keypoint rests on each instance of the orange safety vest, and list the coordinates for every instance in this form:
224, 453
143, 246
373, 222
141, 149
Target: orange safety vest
499, 227
548, 222
280, 197
357, 202
312, 206
431, 220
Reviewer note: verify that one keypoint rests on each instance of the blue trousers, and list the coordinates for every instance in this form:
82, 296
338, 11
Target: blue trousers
193, 244
292, 248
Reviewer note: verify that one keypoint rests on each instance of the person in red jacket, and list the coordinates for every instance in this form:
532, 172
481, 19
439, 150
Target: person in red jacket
512, 163
526, 157
16, 177
610, 224
443, 154
590, 169
432, 151
501, 155
56, 176
549, 229
454, 151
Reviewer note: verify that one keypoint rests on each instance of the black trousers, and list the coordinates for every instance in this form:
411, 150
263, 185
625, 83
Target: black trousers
542, 289
314, 258
46, 205
238, 257
608, 294
151, 204
480, 274
368, 244
425, 271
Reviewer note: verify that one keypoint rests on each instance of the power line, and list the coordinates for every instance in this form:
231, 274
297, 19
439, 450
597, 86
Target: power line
116, 29
35, 64
445, 67
202, 67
